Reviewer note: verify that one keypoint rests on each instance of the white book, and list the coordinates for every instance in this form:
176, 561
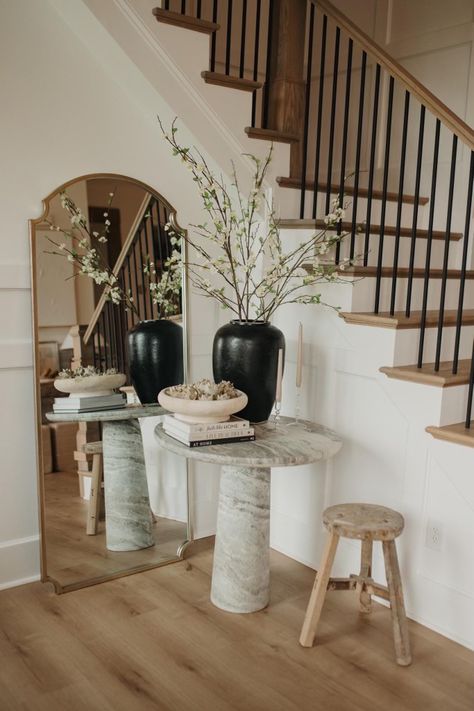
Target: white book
72, 410
235, 423
76, 403
216, 435
230, 438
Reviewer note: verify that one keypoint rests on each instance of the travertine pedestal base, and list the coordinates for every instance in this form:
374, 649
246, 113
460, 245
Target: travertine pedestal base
127, 504
241, 573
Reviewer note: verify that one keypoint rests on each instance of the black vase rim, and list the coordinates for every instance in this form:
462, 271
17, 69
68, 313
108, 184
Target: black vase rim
156, 320
250, 322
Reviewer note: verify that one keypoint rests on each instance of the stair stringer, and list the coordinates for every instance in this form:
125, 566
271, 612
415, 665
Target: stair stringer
171, 60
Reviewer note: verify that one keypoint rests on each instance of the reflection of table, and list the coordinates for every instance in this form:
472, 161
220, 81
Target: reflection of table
128, 522
241, 573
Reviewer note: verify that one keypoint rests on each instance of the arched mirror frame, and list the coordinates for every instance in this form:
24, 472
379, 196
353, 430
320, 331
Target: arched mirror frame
33, 226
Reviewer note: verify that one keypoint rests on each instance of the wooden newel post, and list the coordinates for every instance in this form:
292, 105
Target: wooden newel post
286, 82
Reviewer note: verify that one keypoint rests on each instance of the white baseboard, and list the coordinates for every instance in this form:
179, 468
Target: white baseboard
19, 561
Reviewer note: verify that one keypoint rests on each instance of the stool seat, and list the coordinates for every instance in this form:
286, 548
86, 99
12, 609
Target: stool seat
363, 522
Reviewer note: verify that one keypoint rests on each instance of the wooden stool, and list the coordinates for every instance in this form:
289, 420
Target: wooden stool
93, 513
367, 523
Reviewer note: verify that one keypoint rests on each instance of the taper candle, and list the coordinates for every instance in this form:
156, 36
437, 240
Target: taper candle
299, 357
279, 375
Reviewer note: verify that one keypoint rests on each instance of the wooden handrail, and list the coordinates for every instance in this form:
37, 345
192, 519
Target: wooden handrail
118, 264
451, 120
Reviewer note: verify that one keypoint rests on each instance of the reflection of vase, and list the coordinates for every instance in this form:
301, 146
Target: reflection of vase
155, 356
246, 353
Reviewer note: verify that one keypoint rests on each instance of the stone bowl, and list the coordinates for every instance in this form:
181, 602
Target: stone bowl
91, 385
202, 411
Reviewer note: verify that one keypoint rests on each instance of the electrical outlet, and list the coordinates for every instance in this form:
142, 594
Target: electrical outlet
434, 535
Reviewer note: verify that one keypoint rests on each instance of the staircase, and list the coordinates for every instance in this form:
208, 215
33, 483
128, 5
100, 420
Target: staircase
106, 333
360, 126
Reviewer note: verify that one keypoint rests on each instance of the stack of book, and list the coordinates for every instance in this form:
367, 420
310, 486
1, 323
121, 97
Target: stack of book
200, 435
81, 403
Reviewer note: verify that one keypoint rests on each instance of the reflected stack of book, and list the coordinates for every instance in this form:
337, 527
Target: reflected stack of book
79, 403
201, 435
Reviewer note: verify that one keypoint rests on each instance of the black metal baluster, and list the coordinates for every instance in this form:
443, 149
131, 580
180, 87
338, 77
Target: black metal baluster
213, 38
388, 137
317, 155
105, 344
465, 250
373, 149
112, 349
396, 248
242, 39
444, 279
267, 67
332, 126
419, 166
429, 241
198, 10
183, 7
150, 253
347, 104
142, 261
228, 37
358, 152
99, 346
255, 60
130, 319
309, 67
470, 391
136, 297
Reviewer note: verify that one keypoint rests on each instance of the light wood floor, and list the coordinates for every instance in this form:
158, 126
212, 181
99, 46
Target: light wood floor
154, 641
72, 556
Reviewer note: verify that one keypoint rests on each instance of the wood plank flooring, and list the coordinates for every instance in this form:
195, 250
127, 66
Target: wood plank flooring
154, 641
73, 556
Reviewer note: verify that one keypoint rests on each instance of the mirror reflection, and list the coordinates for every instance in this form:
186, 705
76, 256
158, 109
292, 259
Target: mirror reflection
112, 502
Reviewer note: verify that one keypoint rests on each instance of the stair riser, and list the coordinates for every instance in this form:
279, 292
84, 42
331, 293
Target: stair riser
294, 236
364, 294
407, 344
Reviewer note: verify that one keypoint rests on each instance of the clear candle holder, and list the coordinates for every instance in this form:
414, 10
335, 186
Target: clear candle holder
297, 417
276, 413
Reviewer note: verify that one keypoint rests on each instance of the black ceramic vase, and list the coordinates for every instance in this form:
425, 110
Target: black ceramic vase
246, 353
155, 357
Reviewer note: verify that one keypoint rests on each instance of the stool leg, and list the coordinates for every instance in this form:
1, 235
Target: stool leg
397, 606
94, 501
316, 601
365, 572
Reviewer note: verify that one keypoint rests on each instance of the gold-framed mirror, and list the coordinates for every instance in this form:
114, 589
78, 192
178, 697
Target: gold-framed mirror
75, 324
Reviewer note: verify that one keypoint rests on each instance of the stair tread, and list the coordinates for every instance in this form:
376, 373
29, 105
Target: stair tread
402, 272
389, 230
230, 81
427, 375
185, 21
457, 433
270, 134
295, 183
400, 320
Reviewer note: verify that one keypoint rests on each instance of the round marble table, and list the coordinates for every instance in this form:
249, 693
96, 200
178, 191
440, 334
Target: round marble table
128, 520
241, 569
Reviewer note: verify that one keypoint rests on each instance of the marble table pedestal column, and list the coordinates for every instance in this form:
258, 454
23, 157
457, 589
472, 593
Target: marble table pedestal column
241, 573
128, 519
127, 503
